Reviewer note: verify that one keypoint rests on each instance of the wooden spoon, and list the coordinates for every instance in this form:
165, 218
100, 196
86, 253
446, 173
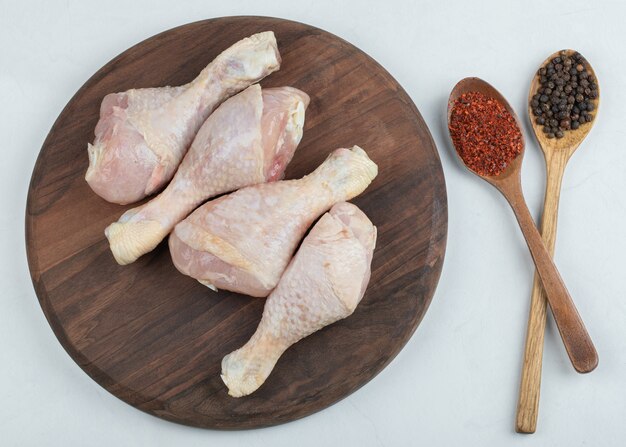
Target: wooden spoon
557, 153
575, 337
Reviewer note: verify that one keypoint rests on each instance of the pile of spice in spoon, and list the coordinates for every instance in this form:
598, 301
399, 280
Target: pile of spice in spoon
484, 133
566, 96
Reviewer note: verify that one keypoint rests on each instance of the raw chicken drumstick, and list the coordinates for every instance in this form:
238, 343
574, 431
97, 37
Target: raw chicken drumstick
323, 283
243, 242
143, 134
249, 139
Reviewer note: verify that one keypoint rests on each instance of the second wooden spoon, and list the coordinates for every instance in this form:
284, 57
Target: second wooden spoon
557, 153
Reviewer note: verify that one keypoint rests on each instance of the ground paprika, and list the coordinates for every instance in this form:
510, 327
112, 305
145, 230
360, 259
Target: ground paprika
484, 133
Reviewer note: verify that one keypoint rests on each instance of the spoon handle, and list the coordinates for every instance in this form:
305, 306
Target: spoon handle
575, 337
530, 386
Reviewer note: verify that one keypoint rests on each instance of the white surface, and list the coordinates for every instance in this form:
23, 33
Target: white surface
456, 381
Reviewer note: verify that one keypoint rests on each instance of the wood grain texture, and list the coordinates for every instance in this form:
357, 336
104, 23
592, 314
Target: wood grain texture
557, 152
575, 337
530, 385
155, 338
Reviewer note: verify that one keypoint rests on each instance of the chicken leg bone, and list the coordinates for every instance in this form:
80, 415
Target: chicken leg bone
323, 283
143, 134
249, 139
243, 242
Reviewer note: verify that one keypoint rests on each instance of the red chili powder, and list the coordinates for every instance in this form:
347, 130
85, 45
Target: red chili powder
484, 133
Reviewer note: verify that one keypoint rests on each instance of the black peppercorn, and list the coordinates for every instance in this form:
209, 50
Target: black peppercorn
565, 94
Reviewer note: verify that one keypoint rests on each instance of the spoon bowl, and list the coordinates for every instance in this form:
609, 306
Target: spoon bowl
572, 138
577, 342
473, 84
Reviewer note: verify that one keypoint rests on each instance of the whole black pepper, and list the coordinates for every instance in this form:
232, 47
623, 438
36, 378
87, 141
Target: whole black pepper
565, 96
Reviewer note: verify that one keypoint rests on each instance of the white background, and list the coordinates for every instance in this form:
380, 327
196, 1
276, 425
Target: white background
456, 381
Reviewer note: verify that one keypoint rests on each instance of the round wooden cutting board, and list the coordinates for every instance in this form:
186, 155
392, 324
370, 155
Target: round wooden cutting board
155, 338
